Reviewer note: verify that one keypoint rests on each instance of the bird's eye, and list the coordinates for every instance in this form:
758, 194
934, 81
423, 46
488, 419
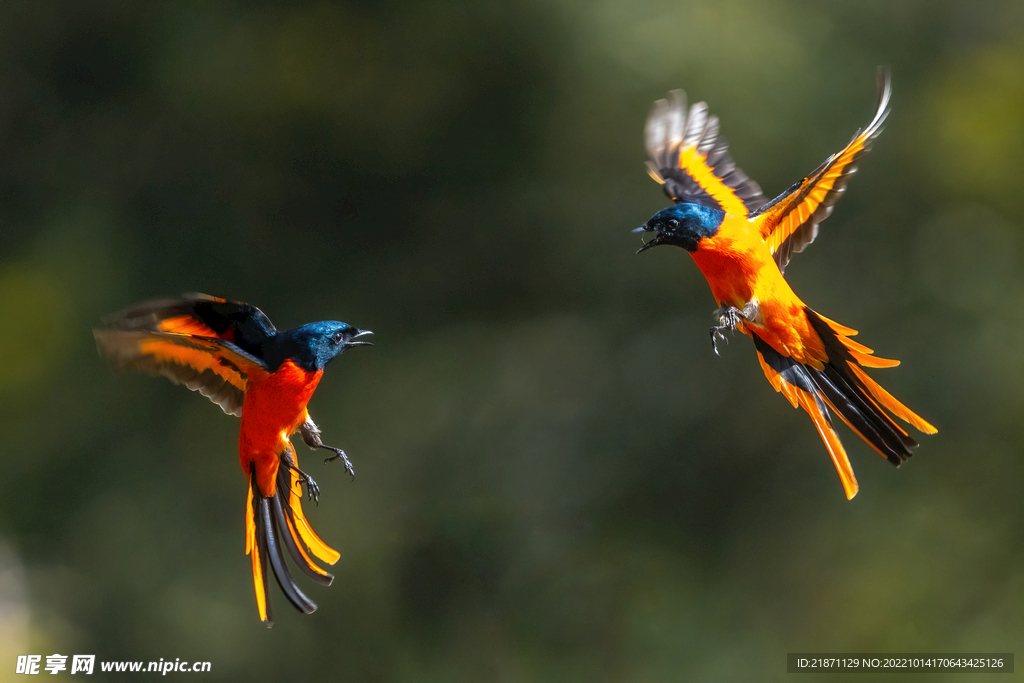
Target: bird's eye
673, 223
339, 336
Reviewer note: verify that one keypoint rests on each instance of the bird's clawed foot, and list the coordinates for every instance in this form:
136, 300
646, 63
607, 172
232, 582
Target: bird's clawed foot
312, 488
728, 318
338, 453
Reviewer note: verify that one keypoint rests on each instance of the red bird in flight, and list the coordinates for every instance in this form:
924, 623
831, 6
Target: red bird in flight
742, 243
231, 353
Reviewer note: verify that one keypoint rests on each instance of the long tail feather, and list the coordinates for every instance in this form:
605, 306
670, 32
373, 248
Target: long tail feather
281, 573
886, 399
284, 517
863, 415
819, 415
256, 548
316, 547
794, 381
845, 359
269, 525
842, 385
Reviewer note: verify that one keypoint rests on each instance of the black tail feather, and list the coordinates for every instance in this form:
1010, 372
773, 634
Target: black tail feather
297, 548
282, 516
843, 393
281, 573
850, 398
848, 401
261, 546
274, 523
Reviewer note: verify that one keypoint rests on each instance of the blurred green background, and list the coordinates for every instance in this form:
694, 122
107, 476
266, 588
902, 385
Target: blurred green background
556, 478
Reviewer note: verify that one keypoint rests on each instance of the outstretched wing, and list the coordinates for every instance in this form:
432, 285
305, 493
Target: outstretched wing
790, 221
215, 368
208, 344
199, 314
691, 161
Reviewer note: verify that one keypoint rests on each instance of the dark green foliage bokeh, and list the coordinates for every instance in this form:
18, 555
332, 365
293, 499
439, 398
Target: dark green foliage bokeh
557, 479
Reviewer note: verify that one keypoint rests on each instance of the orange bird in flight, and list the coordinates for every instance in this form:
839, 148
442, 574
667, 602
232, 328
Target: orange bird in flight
231, 353
742, 243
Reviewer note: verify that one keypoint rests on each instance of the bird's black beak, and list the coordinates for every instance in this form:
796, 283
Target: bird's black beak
359, 333
647, 245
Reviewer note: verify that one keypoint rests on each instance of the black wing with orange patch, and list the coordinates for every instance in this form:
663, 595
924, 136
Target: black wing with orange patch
210, 345
691, 161
215, 368
240, 323
790, 221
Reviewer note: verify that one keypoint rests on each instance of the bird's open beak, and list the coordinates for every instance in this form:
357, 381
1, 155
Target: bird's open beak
647, 245
359, 333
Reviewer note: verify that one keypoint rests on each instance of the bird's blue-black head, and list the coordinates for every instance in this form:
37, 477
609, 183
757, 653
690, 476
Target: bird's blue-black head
683, 225
313, 345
